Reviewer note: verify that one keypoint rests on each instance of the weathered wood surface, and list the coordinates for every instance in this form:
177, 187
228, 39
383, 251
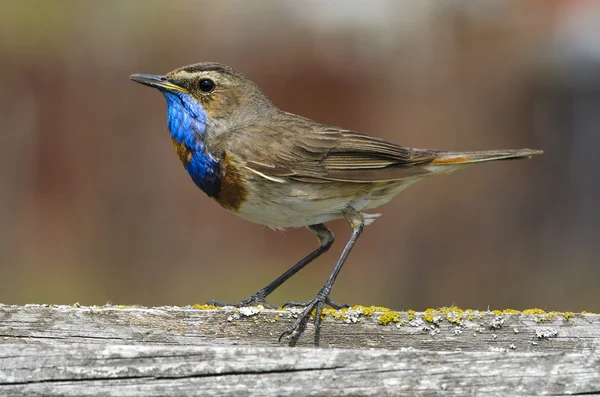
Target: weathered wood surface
129, 351
434, 331
73, 370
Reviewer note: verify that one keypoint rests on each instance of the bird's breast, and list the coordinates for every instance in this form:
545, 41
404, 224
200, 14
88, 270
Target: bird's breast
203, 168
218, 176
233, 192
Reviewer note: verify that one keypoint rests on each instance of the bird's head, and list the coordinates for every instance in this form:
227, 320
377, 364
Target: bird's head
207, 98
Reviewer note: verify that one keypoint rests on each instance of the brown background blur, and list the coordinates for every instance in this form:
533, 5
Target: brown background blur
95, 206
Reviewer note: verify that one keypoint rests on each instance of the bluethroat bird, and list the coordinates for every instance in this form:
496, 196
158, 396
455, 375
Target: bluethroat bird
282, 170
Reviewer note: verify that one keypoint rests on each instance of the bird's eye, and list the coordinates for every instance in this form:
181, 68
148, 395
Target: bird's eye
206, 85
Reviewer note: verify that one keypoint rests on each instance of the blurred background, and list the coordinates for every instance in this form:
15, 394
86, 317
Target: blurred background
95, 205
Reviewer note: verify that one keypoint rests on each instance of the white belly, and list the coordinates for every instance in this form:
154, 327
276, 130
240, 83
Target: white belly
295, 204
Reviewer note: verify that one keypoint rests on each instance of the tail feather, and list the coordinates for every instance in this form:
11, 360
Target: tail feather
452, 158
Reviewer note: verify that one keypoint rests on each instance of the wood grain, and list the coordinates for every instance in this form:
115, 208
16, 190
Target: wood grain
128, 351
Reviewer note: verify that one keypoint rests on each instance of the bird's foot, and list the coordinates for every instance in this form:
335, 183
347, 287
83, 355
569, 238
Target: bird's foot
335, 305
257, 298
313, 307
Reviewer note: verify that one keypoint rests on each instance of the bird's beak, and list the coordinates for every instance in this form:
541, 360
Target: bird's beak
159, 82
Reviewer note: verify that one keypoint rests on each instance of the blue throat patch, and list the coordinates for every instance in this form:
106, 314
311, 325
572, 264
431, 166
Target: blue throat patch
187, 123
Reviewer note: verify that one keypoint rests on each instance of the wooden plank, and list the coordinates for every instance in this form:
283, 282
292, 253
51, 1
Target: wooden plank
131, 351
445, 330
112, 370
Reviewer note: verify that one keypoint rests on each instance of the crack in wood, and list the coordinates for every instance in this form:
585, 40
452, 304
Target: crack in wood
158, 377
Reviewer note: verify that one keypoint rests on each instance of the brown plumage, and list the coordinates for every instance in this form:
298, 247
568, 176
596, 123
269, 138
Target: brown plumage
304, 150
282, 170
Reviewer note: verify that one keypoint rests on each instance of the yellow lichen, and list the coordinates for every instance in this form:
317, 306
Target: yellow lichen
541, 316
469, 314
388, 317
511, 311
430, 316
453, 314
366, 311
543, 319
336, 314
378, 309
534, 311
411, 315
568, 315
203, 307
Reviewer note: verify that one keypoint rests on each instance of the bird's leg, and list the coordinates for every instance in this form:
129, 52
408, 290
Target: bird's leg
325, 237
357, 221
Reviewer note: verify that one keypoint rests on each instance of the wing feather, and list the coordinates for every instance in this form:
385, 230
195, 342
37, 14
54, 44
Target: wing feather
303, 150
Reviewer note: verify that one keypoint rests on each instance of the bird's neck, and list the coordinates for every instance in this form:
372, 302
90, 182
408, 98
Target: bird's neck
187, 124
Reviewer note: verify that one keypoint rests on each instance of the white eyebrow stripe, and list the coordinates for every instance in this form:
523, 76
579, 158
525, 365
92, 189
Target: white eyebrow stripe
270, 178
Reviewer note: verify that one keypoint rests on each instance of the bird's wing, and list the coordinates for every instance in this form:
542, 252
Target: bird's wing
312, 152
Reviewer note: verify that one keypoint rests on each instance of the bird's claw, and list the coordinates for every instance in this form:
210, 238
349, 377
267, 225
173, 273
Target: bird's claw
315, 304
254, 300
335, 305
